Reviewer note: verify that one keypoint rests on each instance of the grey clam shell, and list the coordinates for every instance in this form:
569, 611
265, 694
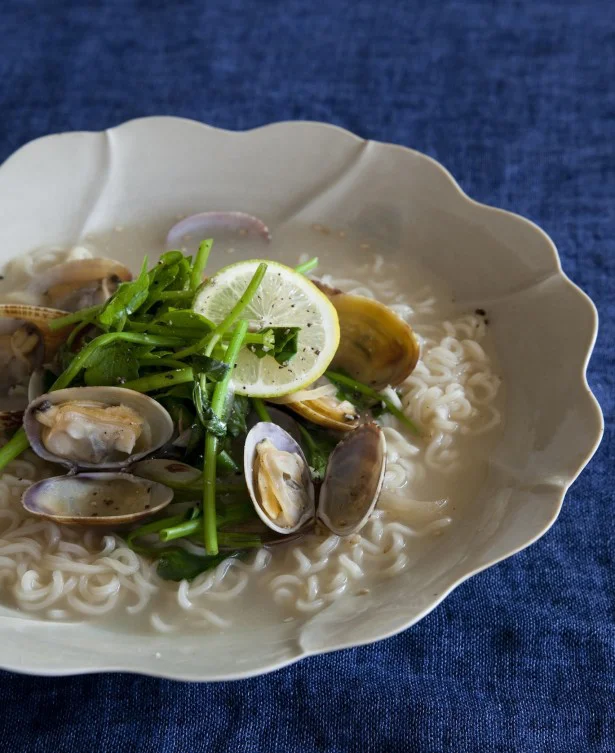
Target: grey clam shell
96, 499
353, 481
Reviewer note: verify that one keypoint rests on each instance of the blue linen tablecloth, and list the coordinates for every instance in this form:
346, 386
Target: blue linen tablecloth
517, 99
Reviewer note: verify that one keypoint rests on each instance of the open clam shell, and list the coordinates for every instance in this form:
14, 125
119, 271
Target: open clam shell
80, 283
96, 499
376, 346
298, 486
26, 342
353, 481
209, 224
320, 406
13, 316
62, 429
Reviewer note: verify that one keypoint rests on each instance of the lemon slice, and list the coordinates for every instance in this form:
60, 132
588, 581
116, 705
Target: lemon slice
285, 298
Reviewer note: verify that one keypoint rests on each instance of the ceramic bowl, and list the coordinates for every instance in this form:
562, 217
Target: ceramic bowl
60, 189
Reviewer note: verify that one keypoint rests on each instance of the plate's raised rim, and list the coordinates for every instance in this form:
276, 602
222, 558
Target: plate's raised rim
593, 410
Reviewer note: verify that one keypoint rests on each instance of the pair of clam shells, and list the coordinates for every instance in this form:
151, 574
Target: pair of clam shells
98, 493
348, 493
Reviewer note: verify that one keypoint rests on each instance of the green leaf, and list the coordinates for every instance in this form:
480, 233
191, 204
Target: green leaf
182, 417
125, 301
180, 391
208, 418
210, 367
111, 365
185, 319
178, 564
283, 347
237, 416
318, 445
286, 343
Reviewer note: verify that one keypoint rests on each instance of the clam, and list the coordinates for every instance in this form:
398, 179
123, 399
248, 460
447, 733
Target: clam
376, 346
279, 483
96, 499
211, 224
278, 478
353, 481
79, 283
96, 427
26, 343
320, 406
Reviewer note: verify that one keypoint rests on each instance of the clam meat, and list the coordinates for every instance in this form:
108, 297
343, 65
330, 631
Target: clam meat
26, 343
279, 482
320, 406
79, 283
278, 478
96, 427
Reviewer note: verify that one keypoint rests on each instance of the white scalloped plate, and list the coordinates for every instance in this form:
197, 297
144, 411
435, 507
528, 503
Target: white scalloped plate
59, 188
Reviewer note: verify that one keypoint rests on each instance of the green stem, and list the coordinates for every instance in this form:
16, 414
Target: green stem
307, 266
154, 361
76, 332
261, 411
202, 255
209, 341
260, 338
148, 528
183, 333
81, 359
375, 395
185, 528
13, 448
225, 463
77, 316
312, 446
153, 382
219, 405
172, 295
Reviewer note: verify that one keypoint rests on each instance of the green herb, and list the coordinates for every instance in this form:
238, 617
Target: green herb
318, 446
283, 347
187, 320
150, 528
196, 276
160, 381
341, 380
125, 301
210, 421
238, 413
213, 369
178, 564
17, 444
259, 408
225, 463
307, 267
111, 365
219, 406
83, 314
